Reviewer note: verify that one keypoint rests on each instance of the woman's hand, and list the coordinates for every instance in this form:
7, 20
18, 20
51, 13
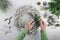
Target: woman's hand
29, 25
42, 24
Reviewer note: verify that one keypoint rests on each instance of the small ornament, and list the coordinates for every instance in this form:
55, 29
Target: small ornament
44, 3
38, 3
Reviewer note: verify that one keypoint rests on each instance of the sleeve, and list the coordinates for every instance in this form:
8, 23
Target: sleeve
43, 35
21, 34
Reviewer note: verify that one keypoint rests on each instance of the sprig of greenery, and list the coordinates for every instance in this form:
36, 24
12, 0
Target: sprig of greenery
4, 4
36, 19
54, 7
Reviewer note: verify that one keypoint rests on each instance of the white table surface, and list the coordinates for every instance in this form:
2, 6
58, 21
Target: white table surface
53, 33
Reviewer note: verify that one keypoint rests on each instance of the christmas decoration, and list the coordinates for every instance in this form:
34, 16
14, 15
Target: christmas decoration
4, 4
54, 7
24, 14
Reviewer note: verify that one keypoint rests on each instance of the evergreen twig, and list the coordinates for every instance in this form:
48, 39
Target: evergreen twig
54, 7
4, 4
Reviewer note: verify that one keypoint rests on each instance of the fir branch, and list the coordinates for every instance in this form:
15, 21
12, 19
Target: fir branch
4, 4
36, 19
54, 7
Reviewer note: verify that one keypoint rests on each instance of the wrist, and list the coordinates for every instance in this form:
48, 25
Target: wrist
43, 28
26, 29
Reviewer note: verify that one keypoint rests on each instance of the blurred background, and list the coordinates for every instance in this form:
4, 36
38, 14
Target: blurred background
9, 31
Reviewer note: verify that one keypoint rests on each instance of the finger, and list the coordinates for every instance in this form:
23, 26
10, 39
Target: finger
31, 21
32, 24
41, 22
